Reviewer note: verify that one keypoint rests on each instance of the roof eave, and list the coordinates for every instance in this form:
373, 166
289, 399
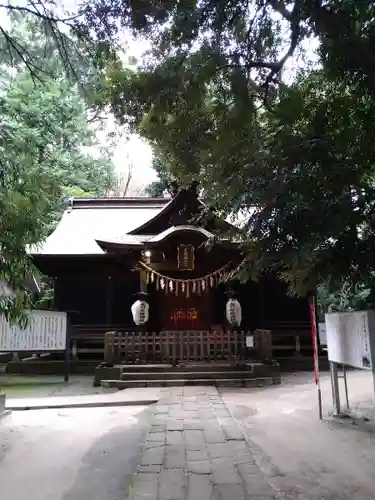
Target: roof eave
110, 245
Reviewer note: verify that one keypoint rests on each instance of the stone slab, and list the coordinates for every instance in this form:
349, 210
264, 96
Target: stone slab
171, 484
175, 437
224, 472
145, 487
194, 440
128, 397
198, 454
175, 425
200, 467
230, 492
233, 433
174, 457
199, 487
153, 456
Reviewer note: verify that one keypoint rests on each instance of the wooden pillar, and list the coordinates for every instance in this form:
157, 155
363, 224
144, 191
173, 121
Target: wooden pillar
142, 281
262, 301
143, 289
263, 344
108, 301
55, 291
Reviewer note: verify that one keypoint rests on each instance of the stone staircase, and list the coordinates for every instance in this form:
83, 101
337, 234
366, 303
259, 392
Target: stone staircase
249, 374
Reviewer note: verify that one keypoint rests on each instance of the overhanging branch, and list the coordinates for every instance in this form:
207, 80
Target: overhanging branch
47, 16
295, 26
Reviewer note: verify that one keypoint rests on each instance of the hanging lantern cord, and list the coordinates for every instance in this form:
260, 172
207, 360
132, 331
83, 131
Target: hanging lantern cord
197, 285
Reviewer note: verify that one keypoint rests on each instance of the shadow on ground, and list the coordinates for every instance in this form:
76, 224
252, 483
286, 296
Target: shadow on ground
108, 466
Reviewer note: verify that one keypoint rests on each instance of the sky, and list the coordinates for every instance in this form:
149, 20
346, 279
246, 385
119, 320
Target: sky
134, 150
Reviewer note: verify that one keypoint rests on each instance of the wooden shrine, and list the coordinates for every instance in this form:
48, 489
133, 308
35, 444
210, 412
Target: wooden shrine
105, 251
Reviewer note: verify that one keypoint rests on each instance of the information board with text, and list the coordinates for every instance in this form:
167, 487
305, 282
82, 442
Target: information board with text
46, 331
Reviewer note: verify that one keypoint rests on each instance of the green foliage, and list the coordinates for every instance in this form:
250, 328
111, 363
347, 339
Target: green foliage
297, 160
345, 296
45, 299
307, 167
45, 141
161, 167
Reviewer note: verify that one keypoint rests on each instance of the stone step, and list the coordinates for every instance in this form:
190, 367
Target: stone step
187, 375
223, 382
188, 370
191, 367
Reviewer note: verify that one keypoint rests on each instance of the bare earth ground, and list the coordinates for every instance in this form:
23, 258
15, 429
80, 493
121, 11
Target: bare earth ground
90, 454
322, 460
44, 386
67, 454
70, 454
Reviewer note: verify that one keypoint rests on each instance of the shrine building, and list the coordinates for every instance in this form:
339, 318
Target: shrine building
105, 251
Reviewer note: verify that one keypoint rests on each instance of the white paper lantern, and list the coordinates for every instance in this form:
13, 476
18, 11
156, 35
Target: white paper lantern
140, 312
234, 312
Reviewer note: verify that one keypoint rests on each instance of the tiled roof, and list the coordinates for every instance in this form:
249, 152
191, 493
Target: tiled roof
88, 220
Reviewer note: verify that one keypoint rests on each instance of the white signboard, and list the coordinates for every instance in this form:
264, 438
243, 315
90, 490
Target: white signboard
249, 341
46, 332
348, 338
322, 334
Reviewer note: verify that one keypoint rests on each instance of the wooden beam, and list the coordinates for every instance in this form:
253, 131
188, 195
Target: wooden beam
109, 300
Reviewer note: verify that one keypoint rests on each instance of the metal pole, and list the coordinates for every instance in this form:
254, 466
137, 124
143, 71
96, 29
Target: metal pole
314, 335
336, 389
332, 385
346, 386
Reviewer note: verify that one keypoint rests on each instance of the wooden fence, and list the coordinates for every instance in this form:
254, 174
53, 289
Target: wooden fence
173, 346
88, 341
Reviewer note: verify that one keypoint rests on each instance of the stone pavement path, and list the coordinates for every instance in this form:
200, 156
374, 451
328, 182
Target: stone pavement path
195, 450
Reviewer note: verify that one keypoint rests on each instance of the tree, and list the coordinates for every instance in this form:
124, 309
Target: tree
299, 158
345, 296
45, 141
304, 171
56, 115
211, 97
253, 39
160, 165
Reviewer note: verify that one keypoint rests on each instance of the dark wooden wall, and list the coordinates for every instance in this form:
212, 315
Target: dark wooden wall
103, 301
97, 301
266, 304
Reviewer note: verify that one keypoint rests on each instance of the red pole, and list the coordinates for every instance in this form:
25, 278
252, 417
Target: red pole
314, 335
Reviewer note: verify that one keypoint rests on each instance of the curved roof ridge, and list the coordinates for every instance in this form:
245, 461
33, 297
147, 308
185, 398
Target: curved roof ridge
171, 202
175, 229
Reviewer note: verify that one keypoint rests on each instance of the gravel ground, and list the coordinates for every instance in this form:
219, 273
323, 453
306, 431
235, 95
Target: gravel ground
322, 460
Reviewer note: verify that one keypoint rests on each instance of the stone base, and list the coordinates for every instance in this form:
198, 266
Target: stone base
249, 374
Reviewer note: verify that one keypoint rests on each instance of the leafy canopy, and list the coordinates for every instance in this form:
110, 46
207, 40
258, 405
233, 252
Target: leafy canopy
297, 158
212, 97
164, 177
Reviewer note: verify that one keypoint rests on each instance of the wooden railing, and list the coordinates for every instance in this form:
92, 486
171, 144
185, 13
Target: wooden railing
288, 339
291, 337
89, 339
173, 346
